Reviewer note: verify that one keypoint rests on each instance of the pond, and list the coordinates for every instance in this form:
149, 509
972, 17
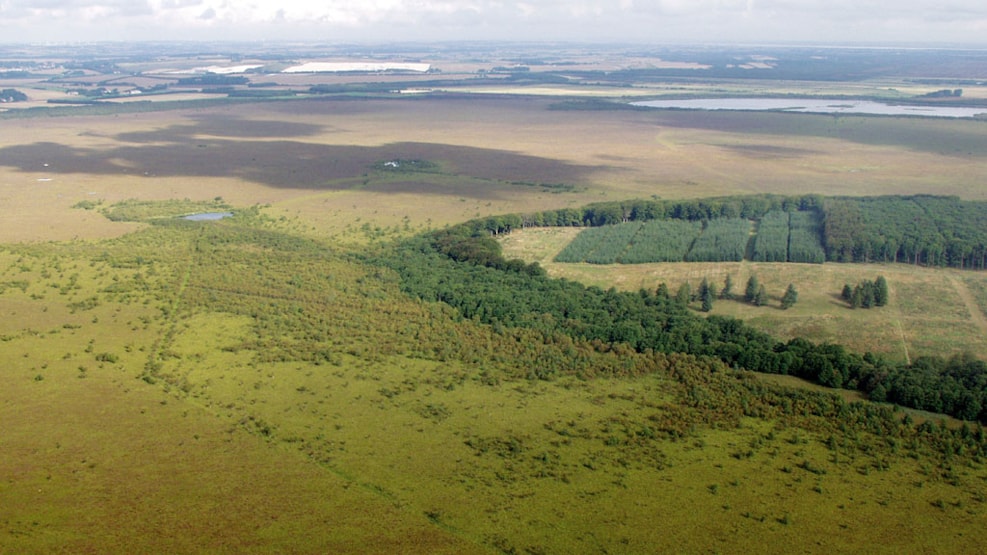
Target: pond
207, 216
815, 105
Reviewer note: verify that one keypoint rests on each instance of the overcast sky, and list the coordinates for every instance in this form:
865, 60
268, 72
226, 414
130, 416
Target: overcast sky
650, 21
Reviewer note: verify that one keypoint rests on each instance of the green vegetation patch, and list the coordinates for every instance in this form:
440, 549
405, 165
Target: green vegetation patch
921, 229
721, 240
771, 242
781, 237
148, 210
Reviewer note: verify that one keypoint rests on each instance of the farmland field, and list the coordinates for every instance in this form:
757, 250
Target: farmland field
265, 384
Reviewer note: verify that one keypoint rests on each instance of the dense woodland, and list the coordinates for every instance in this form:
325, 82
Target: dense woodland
463, 267
920, 229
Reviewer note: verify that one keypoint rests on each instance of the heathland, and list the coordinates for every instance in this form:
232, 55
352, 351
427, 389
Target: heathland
277, 381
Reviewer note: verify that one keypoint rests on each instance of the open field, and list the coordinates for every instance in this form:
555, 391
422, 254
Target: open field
931, 311
258, 385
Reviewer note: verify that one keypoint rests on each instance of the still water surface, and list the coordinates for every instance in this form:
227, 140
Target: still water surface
815, 105
205, 216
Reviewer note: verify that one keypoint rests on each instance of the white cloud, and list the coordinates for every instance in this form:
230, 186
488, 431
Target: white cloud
611, 20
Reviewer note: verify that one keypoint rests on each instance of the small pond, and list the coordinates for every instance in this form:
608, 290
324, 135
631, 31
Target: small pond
207, 216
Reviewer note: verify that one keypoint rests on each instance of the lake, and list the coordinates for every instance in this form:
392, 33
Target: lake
815, 105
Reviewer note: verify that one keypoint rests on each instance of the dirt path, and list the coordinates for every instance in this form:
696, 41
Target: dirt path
904, 342
976, 315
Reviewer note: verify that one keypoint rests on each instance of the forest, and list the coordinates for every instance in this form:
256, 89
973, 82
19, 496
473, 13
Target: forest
937, 231
464, 268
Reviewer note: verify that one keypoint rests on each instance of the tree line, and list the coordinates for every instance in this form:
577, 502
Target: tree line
919, 229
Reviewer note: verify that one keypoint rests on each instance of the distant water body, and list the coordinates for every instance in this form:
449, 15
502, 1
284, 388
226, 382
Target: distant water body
813, 105
206, 216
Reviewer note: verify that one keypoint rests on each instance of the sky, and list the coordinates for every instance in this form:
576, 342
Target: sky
892, 22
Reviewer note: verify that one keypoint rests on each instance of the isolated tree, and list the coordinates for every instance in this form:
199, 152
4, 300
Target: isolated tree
751, 291
790, 297
880, 291
727, 292
761, 297
847, 293
706, 296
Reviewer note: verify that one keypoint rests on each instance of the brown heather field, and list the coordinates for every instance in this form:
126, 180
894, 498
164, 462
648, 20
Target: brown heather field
384, 452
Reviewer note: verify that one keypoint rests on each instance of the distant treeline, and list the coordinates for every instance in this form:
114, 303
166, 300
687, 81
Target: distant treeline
464, 268
12, 95
919, 229
211, 79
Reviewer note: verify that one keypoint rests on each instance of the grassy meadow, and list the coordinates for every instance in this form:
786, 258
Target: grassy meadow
257, 385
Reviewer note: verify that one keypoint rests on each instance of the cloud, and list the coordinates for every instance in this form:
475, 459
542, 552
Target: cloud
179, 4
575, 20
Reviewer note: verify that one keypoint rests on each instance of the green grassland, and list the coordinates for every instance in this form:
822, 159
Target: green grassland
259, 385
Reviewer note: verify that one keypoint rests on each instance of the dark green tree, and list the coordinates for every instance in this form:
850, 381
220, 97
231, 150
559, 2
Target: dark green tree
684, 294
727, 292
790, 297
761, 297
880, 291
866, 294
847, 293
857, 297
662, 291
706, 296
751, 290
